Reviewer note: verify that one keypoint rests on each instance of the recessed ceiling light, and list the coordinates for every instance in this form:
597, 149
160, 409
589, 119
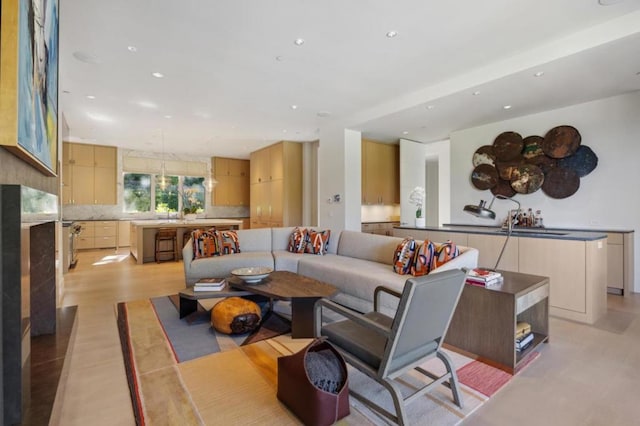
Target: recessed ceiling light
86, 57
294, 106
476, 93
298, 41
405, 133
99, 117
279, 58
323, 114
284, 130
157, 74
147, 104
392, 34
507, 107
90, 97
539, 74
167, 116
609, 2
430, 107
132, 48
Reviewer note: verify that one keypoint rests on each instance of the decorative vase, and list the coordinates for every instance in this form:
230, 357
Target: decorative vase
421, 222
190, 216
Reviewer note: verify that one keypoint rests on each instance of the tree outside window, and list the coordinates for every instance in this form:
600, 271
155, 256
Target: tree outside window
192, 194
137, 192
167, 199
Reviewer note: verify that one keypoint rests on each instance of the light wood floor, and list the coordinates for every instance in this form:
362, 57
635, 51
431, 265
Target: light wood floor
586, 375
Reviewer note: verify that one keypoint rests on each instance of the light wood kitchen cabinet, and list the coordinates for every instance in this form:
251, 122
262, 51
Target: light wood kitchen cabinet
577, 271
105, 233
233, 182
97, 234
124, 233
490, 246
379, 228
380, 173
620, 267
89, 174
276, 185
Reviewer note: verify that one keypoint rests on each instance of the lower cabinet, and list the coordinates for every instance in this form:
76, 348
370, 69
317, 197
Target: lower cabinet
97, 234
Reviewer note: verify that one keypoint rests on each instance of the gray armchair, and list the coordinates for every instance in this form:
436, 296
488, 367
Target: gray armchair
385, 348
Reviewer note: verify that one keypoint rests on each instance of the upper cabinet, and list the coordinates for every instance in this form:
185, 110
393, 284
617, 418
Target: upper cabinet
89, 174
276, 185
380, 173
233, 181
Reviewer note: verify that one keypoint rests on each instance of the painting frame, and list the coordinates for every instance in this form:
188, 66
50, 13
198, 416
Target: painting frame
29, 63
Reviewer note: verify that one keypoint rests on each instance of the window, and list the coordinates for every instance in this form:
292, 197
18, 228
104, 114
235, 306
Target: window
137, 192
144, 193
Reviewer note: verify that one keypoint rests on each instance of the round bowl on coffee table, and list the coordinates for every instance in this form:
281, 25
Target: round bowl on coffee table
252, 275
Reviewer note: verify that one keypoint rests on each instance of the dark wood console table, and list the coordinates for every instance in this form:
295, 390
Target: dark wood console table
484, 322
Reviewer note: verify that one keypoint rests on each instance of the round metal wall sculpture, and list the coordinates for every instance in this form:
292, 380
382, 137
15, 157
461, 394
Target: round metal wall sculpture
516, 165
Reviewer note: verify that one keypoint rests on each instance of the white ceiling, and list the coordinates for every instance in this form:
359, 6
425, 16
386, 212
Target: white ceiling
232, 70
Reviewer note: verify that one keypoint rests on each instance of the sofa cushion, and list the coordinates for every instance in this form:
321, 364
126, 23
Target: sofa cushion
377, 248
298, 240
286, 261
356, 277
317, 241
424, 259
403, 256
254, 239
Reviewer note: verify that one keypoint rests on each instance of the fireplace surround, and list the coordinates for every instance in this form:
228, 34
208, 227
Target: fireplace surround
28, 298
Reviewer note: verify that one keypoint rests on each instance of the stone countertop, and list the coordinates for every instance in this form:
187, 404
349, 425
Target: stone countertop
179, 223
548, 233
601, 230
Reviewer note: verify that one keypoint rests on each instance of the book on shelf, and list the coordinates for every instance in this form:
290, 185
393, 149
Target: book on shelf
524, 341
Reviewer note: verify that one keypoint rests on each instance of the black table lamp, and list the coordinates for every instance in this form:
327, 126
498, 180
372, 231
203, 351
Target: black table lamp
486, 213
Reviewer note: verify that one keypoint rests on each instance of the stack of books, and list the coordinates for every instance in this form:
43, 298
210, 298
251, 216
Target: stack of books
209, 284
524, 336
483, 277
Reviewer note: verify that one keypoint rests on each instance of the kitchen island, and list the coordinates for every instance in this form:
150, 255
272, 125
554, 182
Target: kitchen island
143, 233
575, 261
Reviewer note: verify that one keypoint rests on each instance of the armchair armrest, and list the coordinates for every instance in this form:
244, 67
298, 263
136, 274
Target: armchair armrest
382, 289
347, 313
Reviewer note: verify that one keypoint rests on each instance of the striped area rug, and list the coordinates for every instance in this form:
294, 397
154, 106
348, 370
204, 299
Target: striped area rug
238, 384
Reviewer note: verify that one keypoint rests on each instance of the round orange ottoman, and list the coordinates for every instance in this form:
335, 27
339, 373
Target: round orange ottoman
235, 315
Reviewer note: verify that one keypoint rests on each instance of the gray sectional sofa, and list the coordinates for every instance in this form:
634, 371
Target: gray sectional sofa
356, 263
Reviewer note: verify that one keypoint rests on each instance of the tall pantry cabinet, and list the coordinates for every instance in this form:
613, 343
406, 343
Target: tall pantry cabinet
276, 185
89, 174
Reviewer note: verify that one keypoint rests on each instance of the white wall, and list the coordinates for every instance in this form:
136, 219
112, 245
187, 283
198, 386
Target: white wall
339, 173
608, 197
413, 172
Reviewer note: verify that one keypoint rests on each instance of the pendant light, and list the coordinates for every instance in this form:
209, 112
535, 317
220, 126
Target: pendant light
163, 179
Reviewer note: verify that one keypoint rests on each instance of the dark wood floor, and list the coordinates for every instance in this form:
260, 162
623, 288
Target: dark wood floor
47, 360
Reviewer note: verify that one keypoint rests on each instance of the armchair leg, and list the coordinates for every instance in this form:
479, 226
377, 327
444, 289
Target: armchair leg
453, 379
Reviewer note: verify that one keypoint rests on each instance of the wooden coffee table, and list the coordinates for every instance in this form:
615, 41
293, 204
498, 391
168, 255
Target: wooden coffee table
300, 290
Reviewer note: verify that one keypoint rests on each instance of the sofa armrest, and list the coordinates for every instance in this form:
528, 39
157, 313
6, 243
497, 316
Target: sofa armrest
187, 257
383, 289
347, 313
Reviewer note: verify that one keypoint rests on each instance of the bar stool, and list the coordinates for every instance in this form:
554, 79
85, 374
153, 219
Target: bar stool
166, 242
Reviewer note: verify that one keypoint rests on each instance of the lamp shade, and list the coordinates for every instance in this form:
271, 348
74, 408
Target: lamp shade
480, 210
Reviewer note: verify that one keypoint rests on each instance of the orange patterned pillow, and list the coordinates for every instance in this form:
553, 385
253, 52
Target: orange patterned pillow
424, 259
403, 256
298, 240
205, 243
317, 241
229, 242
444, 253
